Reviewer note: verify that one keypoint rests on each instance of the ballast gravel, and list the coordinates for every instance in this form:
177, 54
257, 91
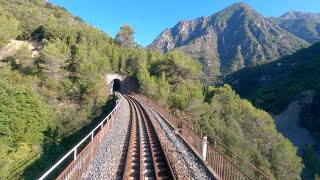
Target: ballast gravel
185, 164
107, 160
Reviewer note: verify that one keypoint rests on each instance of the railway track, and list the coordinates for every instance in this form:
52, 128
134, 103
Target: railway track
145, 157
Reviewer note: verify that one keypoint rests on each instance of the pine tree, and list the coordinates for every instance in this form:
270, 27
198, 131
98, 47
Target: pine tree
125, 36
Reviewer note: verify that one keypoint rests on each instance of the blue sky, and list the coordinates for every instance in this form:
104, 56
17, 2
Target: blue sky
150, 17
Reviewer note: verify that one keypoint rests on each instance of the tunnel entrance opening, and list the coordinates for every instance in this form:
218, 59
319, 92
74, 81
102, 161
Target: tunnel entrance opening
116, 85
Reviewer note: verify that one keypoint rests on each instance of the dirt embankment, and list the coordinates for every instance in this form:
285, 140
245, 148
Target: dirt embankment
14, 45
287, 123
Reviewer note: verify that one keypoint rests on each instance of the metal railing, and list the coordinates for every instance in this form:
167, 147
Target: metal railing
90, 144
225, 163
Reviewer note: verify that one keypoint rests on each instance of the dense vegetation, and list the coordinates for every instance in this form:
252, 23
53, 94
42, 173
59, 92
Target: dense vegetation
249, 131
24, 116
64, 87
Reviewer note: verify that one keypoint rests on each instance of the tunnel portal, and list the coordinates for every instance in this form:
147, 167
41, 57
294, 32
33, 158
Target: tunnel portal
116, 85
121, 83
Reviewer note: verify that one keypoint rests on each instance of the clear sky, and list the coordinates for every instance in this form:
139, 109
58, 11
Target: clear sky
150, 17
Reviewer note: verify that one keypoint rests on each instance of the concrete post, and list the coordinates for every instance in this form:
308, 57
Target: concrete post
204, 148
91, 145
92, 136
75, 154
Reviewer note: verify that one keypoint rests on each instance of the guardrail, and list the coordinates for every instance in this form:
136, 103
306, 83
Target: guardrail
90, 144
225, 163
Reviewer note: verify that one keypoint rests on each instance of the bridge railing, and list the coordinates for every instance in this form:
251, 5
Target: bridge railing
225, 163
82, 154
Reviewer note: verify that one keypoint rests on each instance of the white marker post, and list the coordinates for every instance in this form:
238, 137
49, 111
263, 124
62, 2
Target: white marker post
204, 148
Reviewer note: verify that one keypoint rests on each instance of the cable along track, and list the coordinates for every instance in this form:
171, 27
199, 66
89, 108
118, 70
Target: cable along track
146, 158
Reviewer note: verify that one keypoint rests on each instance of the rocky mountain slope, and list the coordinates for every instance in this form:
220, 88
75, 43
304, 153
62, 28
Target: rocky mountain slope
302, 24
229, 40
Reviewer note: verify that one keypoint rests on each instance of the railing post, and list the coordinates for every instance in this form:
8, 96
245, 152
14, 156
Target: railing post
91, 144
234, 159
75, 154
92, 136
204, 148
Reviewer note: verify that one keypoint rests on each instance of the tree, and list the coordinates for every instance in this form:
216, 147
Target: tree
39, 33
311, 160
125, 36
163, 88
53, 56
8, 29
23, 60
147, 83
115, 60
286, 164
102, 61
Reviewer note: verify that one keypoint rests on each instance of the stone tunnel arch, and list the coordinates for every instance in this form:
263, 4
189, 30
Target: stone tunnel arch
114, 82
121, 83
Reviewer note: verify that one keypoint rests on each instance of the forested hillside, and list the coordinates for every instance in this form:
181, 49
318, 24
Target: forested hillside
62, 88
46, 100
272, 86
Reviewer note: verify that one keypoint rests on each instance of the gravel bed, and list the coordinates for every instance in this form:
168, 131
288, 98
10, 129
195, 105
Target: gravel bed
183, 160
107, 160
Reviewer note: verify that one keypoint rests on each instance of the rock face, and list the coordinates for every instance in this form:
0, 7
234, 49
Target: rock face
229, 40
302, 24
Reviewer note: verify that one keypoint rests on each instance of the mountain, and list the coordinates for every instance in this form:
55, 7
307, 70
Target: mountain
302, 24
229, 40
299, 14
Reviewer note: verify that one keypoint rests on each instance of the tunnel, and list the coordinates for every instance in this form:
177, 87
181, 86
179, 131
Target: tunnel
116, 85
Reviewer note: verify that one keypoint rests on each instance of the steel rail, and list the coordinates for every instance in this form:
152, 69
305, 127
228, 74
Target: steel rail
130, 165
153, 162
161, 163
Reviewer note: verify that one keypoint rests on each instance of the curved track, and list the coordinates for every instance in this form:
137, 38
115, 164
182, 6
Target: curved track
145, 157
